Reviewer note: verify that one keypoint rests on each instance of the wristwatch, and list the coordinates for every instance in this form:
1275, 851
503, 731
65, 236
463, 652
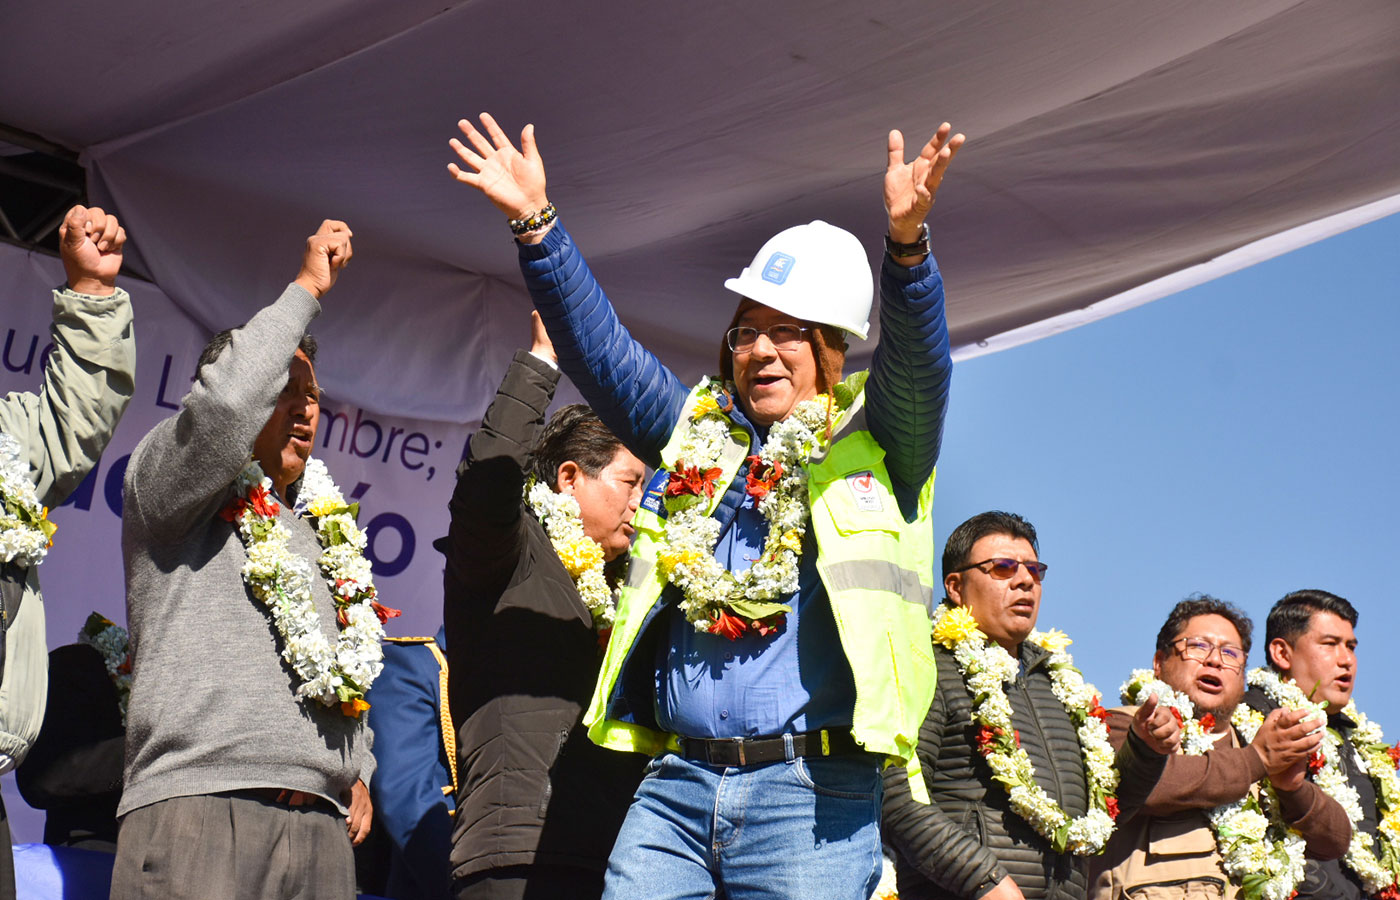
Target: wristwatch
921, 247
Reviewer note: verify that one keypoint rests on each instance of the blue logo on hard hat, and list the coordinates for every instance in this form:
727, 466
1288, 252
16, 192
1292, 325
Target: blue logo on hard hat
778, 267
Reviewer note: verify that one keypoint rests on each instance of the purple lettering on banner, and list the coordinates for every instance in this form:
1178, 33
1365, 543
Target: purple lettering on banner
28, 365
112, 487
387, 568
393, 433
362, 421
165, 380
411, 445
328, 423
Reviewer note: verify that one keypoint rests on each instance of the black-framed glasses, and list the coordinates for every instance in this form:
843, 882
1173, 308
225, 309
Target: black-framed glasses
784, 337
1200, 649
1004, 567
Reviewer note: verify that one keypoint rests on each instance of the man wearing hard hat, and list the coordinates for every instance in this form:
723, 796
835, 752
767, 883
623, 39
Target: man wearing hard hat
771, 648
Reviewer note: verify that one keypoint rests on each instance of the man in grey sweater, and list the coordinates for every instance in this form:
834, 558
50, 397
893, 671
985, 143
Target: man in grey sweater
49, 441
234, 787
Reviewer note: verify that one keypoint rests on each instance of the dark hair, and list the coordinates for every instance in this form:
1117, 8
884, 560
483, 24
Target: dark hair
1292, 616
979, 526
828, 347
1203, 605
573, 434
218, 342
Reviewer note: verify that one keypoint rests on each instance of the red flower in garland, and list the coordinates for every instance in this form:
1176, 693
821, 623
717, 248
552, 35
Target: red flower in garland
1112, 805
1177, 713
1208, 722
770, 625
761, 478
258, 498
690, 480
1096, 710
385, 613
1389, 893
987, 739
1316, 762
731, 626
1394, 753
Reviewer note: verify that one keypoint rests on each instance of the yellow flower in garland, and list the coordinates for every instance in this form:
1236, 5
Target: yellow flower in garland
579, 556
791, 540
671, 558
322, 506
705, 405
1054, 640
955, 626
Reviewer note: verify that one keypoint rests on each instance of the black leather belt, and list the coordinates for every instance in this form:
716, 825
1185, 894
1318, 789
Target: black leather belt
752, 751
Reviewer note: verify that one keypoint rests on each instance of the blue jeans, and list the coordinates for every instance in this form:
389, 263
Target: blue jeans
804, 828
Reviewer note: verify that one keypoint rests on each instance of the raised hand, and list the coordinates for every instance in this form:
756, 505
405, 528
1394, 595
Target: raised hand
511, 179
1157, 726
910, 187
540, 344
90, 242
327, 252
1285, 742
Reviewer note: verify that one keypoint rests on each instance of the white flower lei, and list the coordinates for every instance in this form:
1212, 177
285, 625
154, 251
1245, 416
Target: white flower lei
582, 556
1257, 848
112, 642
331, 675
25, 530
987, 668
1378, 876
710, 591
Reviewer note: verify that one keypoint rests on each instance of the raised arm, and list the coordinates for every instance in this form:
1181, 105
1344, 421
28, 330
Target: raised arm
637, 397
907, 393
181, 470
485, 534
89, 376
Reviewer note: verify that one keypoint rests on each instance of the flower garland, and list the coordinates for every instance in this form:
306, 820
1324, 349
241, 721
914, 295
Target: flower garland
715, 599
582, 556
26, 534
1379, 876
986, 669
331, 675
112, 642
1257, 848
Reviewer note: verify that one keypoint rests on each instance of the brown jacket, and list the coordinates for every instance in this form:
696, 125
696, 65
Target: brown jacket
1168, 849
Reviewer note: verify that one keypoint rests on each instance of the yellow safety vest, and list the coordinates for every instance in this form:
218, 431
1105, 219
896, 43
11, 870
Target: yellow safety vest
877, 570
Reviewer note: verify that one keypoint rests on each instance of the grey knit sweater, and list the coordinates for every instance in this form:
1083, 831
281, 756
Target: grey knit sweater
212, 705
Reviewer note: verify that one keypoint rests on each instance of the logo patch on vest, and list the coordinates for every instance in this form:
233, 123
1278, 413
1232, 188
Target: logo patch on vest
656, 489
866, 491
778, 268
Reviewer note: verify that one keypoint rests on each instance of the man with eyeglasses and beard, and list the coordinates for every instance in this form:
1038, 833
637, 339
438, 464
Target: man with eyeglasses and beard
1180, 845
1023, 779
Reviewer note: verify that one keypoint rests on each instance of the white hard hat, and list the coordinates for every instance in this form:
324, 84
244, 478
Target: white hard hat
816, 272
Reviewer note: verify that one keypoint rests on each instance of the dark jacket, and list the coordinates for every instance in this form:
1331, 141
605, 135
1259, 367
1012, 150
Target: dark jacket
1332, 880
522, 661
969, 839
74, 771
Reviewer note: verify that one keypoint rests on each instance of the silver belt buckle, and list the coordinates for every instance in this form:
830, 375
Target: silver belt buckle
739, 742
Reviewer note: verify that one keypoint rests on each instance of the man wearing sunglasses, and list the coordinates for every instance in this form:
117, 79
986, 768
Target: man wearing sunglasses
1170, 849
971, 842
771, 643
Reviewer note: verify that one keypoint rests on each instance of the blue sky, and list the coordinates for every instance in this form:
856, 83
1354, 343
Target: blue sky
1238, 439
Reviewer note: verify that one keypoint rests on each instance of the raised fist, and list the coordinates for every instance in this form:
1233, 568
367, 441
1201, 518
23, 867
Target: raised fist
327, 252
90, 242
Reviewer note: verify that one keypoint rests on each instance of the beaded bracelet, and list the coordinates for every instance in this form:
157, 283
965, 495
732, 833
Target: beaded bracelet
533, 222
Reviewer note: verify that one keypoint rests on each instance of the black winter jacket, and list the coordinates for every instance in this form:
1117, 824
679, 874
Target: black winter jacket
1333, 880
968, 839
523, 658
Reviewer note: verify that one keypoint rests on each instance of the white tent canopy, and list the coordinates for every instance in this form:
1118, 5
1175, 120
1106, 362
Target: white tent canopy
1111, 145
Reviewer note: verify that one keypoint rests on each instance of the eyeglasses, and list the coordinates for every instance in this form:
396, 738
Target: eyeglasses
1003, 567
1200, 649
784, 337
